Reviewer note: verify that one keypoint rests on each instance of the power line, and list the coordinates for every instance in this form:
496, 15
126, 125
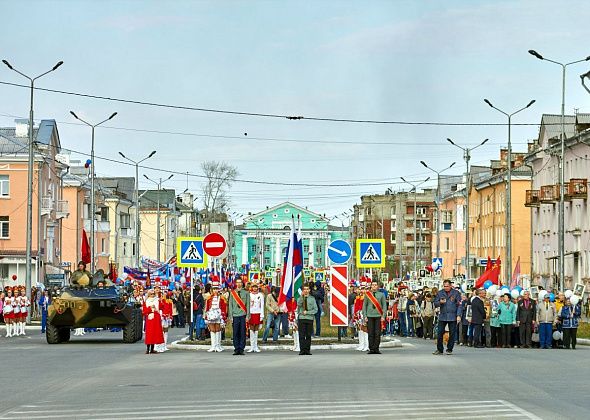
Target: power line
260, 114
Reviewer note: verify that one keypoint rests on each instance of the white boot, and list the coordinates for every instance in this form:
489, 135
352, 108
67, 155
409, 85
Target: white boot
296, 341
218, 341
21, 329
8, 330
213, 343
16, 329
256, 349
165, 345
360, 346
251, 342
366, 342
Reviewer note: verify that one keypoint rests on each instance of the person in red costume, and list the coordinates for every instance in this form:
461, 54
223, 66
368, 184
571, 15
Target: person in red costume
153, 322
166, 310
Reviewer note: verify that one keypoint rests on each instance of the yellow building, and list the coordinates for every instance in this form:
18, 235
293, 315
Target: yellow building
488, 221
149, 203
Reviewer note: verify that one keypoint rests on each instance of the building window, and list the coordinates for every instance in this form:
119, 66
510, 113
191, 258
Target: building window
447, 226
133, 249
267, 248
102, 245
104, 214
266, 261
392, 237
4, 227
306, 248
318, 248
124, 248
447, 244
274, 216
254, 248
4, 186
125, 221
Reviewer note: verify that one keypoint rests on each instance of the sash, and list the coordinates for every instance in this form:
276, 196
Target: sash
375, 302
238, 300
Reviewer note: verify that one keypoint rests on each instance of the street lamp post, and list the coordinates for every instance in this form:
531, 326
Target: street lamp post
31, 151
438, 198
92, 176
584, 76
509, 188
136, 163
415, 188
467, 157
561, 157
158, 227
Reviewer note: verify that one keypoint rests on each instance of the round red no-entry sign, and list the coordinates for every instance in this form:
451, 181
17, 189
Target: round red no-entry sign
214, 244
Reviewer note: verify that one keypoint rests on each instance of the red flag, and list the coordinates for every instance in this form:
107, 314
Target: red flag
490, 273
516, 274
495, 272
85, 248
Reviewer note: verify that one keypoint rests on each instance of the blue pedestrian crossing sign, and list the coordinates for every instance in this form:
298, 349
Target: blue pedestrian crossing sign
438, 261
370, 253
339, 251
190, 253
319, 276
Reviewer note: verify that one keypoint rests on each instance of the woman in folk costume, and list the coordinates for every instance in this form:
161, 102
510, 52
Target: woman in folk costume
360, 323
215, 316
153, 322
256, 315
292, 317
24, 303
8, 312
166, 312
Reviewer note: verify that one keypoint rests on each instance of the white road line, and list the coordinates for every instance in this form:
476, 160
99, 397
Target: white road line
520, 410
255, 404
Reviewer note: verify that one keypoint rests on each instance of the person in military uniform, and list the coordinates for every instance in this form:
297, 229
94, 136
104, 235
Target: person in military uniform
81, 277
239, 309
306, 310
374, 311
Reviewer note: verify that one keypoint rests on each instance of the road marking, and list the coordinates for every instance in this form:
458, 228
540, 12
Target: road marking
520, 410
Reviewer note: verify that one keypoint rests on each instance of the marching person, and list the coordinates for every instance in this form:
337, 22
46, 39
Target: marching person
427, 308
507, 317
215, 316
569, 316
255, 316
291, 305
306, 310
546, 315
526, 316
478, 316
153, 322
166, 311
273, 318
448, 301
239, 303
24, 303
8, 312
359, 320
374, 311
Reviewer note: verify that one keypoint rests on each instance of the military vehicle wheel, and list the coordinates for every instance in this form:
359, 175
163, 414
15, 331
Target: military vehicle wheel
52, 334
130, 330
64, 334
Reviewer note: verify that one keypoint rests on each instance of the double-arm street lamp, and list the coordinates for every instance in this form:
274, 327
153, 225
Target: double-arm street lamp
438, 199
415, 188
136, 163
158, 227
584, 76
92, 177
467, 157
509, 188
31, 151
561, 218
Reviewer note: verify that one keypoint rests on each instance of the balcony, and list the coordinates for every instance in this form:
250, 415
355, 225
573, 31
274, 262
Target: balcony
46, 205
532, 198
127, 231
577, 188
62, 209
99, 226
549, 194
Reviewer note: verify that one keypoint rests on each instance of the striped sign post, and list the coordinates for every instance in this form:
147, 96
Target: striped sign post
339, 300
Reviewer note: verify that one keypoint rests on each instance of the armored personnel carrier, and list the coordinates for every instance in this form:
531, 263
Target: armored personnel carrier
92, 307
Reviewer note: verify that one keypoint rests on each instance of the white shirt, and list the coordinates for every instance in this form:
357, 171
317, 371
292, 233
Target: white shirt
257, 303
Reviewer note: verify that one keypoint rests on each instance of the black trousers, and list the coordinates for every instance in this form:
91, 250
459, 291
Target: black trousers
428, 326
506, 334
526, 333
477, 334
496, 336
239, 333
441, 331
305, 327
569, 335
374, 331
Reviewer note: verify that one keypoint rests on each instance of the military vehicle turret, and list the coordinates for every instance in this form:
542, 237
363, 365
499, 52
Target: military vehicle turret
94, 306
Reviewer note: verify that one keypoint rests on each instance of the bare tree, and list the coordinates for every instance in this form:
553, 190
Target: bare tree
220, 177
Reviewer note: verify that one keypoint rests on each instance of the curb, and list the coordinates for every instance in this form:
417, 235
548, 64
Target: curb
583, 341
177, 345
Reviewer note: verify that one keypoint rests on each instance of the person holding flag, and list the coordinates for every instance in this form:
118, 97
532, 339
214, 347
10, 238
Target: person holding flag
374, 311
239, 304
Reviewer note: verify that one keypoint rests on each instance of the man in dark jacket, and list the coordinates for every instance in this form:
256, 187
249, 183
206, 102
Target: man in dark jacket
526, 315
478, 316
448, 301
319, 295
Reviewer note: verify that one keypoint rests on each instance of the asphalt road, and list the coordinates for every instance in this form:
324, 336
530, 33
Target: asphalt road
97, 376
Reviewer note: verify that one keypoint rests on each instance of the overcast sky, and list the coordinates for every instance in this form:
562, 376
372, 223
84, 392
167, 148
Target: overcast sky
412, 61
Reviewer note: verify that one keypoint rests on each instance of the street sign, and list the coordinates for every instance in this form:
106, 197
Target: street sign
319, 276
437, 260
214, 244
370, 253
190, 253
484, 262
254, 276
339, 251
307, 273
339, 300
384, 277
